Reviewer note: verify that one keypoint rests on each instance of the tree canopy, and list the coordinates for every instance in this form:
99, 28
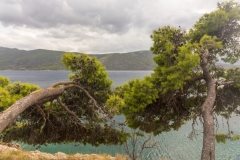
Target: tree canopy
187, 83
65, 112
10, 93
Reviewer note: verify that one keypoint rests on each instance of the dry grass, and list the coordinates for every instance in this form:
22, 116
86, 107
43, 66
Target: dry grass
14, 155
96, 157
18, 154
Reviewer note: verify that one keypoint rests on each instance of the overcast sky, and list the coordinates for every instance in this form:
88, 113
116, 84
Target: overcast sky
93, 26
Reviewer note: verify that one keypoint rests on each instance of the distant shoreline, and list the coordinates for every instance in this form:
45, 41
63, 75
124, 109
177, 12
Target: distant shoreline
66, 70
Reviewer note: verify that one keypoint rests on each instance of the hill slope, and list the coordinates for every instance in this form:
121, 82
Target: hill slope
40, 59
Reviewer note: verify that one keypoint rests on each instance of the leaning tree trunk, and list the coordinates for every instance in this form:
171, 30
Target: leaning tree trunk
9, 115
208, 149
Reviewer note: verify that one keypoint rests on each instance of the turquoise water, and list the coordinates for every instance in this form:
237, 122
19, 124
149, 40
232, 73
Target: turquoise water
174, 145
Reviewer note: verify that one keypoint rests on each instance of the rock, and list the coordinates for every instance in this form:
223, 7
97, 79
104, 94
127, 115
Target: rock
13, 145
57, 156
4, 148
60, 155
40, 155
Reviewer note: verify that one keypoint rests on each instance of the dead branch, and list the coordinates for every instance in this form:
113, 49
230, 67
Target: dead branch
133, 153
146, 145
225, 83
69, 111
44, 117
89, 96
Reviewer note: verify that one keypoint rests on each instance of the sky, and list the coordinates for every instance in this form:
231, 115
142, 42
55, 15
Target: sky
93, 26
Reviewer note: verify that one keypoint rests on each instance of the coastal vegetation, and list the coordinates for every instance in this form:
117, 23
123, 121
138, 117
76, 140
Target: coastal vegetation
11, 92
187, 84
65, 112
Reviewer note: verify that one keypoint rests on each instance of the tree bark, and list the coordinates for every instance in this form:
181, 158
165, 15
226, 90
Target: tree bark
9, 115
208, 149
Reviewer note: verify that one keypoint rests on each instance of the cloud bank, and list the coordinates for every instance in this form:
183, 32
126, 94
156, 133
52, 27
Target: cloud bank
99, 26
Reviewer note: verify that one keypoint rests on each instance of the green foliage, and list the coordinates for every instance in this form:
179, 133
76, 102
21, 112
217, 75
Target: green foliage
146, 108
5, 99
10, 93
65, 132
233, 74
235, 137
78, 115
175, 58
177, 88
115, 104
227, 100
221, 137
138, 93
209, 24
161, 102
17, 90
4, 81
21, 89
89, 73
156, 103
210, 42
224, 24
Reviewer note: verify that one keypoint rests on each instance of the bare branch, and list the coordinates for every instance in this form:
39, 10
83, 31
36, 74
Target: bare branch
196, 78
126, 149
69, 111
214, 108
225, 83
88, 94
146, 145
193, 133
74, 84
222, 34
49, 109
229, 132
133, 152
44, 117
216, 122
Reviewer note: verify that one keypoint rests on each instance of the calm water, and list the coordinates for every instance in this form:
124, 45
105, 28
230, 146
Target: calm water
45, 78
174, 145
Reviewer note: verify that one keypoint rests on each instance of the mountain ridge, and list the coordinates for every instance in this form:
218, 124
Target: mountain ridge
42, 59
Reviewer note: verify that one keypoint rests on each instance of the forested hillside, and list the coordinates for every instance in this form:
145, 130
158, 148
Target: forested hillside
41, 59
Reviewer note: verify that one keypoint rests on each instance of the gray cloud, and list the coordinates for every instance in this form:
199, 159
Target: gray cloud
108, 15
97, 26
113, 16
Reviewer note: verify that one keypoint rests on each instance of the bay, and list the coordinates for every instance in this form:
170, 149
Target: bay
174, 145
44, 78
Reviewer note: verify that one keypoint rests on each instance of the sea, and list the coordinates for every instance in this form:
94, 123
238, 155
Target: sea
173, 145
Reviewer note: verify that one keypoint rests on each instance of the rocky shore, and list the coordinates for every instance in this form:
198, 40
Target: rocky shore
14, 151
